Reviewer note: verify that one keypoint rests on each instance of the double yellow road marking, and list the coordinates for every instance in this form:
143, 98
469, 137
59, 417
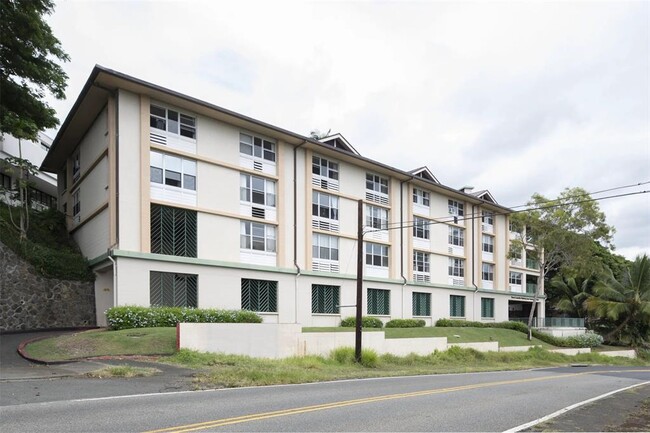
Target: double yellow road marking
344, 403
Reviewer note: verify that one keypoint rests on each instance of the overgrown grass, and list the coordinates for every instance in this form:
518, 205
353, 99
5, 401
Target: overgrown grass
218, 370
125, 371
49, 247
104, 343
505, 337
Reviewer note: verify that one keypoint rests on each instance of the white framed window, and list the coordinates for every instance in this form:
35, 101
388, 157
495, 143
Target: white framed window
421, 228
76, 166
488, 244
456, 267
172, 121
172, 171
376, 255
257, 237
456, 236
76, 204
325, 206
516, 255
487, 272
256, 147
324, 168
421, 197
376, 183
421, 262
456, 208
514, 227
515, 278
487, 217
257, 190
376, 217
325, 247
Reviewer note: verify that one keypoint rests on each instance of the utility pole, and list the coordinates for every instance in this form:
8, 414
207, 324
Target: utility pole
357, 336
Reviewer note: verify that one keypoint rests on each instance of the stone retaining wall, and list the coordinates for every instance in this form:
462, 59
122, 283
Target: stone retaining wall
29, 301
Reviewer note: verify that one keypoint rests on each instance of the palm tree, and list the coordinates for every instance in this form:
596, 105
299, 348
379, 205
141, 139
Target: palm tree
572, 293
626, 302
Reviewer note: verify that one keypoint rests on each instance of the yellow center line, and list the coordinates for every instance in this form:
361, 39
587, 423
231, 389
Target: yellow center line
367, 400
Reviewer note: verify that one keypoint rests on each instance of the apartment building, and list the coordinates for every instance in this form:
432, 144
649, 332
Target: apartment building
43, 192
176, 201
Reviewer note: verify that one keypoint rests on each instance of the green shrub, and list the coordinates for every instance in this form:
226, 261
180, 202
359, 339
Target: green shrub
366, 322
405, 323
345, 356
132, 316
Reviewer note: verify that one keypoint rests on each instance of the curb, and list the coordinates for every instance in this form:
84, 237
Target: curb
21, 352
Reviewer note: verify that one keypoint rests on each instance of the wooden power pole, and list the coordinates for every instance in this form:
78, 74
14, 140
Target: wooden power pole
357, 336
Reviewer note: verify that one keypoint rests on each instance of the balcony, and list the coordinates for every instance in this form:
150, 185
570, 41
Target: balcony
554, 322
532, 264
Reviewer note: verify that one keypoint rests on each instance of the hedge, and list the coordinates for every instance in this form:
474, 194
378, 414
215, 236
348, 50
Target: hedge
589, 339
131, 316
405, 323
366, 322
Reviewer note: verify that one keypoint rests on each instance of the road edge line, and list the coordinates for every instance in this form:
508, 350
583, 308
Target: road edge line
571, 407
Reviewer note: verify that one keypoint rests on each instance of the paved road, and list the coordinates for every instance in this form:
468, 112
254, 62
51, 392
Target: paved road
494, 401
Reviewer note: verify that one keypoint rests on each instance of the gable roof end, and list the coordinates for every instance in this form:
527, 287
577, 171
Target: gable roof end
424, 173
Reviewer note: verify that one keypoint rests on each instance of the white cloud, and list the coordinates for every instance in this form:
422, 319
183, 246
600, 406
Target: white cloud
516, 97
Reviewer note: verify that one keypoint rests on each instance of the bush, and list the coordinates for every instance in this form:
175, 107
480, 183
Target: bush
345, 355
131, 316
366, 322
405, 323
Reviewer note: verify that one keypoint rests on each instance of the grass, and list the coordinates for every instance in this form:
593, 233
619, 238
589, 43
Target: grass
222, 371
125, 371
145, 341
505, 337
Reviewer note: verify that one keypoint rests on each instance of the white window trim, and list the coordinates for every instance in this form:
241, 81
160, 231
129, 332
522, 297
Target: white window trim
487, 269
460, 269
165, 157
333, 203
420, 196
423, 224
376, 214
166, 119
269, 234
263, 151
317, 243
452, 237
329, 164
456, 208
372, 255
268, 184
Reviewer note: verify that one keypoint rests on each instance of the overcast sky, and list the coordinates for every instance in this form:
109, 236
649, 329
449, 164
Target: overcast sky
514, 97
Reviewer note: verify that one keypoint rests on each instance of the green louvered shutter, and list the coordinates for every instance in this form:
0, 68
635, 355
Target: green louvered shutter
456, 306
173, 290
173, 231
421, 304
487, 308
379, 301
325, 299
259, 295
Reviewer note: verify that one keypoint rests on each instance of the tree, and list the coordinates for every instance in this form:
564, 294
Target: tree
20, 195
317, 135
28, 51
559, 232
571, 294
626, 301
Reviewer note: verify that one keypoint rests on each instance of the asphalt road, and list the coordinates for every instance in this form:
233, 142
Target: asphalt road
495, 401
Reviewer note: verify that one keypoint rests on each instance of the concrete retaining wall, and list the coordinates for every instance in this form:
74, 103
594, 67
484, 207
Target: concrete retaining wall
486, 346
623, 353
563, 332
515, 348
572, 352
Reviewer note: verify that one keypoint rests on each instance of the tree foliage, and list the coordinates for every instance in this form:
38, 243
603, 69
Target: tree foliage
560, 232
28, 68
626, 302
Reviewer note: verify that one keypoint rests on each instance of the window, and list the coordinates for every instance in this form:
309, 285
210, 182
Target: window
173, 231
514, 227
456, 306
376, 217
325, 206
488, 243
488, 217
257, 147
325, 299
325, 247
257, 190
257, 237
36, 196
76, 203
516, 254
455, 208
487, 308
259, 295
421, 304
76, 167
172, 121
456, 236
173, 171
487, 272
421, 228
325, 168
420, 197
376, 183
456, 267
421, 262
379, 302
376, 255
5, 182
167, 289
515, 278
64, 177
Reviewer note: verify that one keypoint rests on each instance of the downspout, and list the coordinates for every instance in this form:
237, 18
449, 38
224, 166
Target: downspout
110, 257
401, 236
473, 265
295, 227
